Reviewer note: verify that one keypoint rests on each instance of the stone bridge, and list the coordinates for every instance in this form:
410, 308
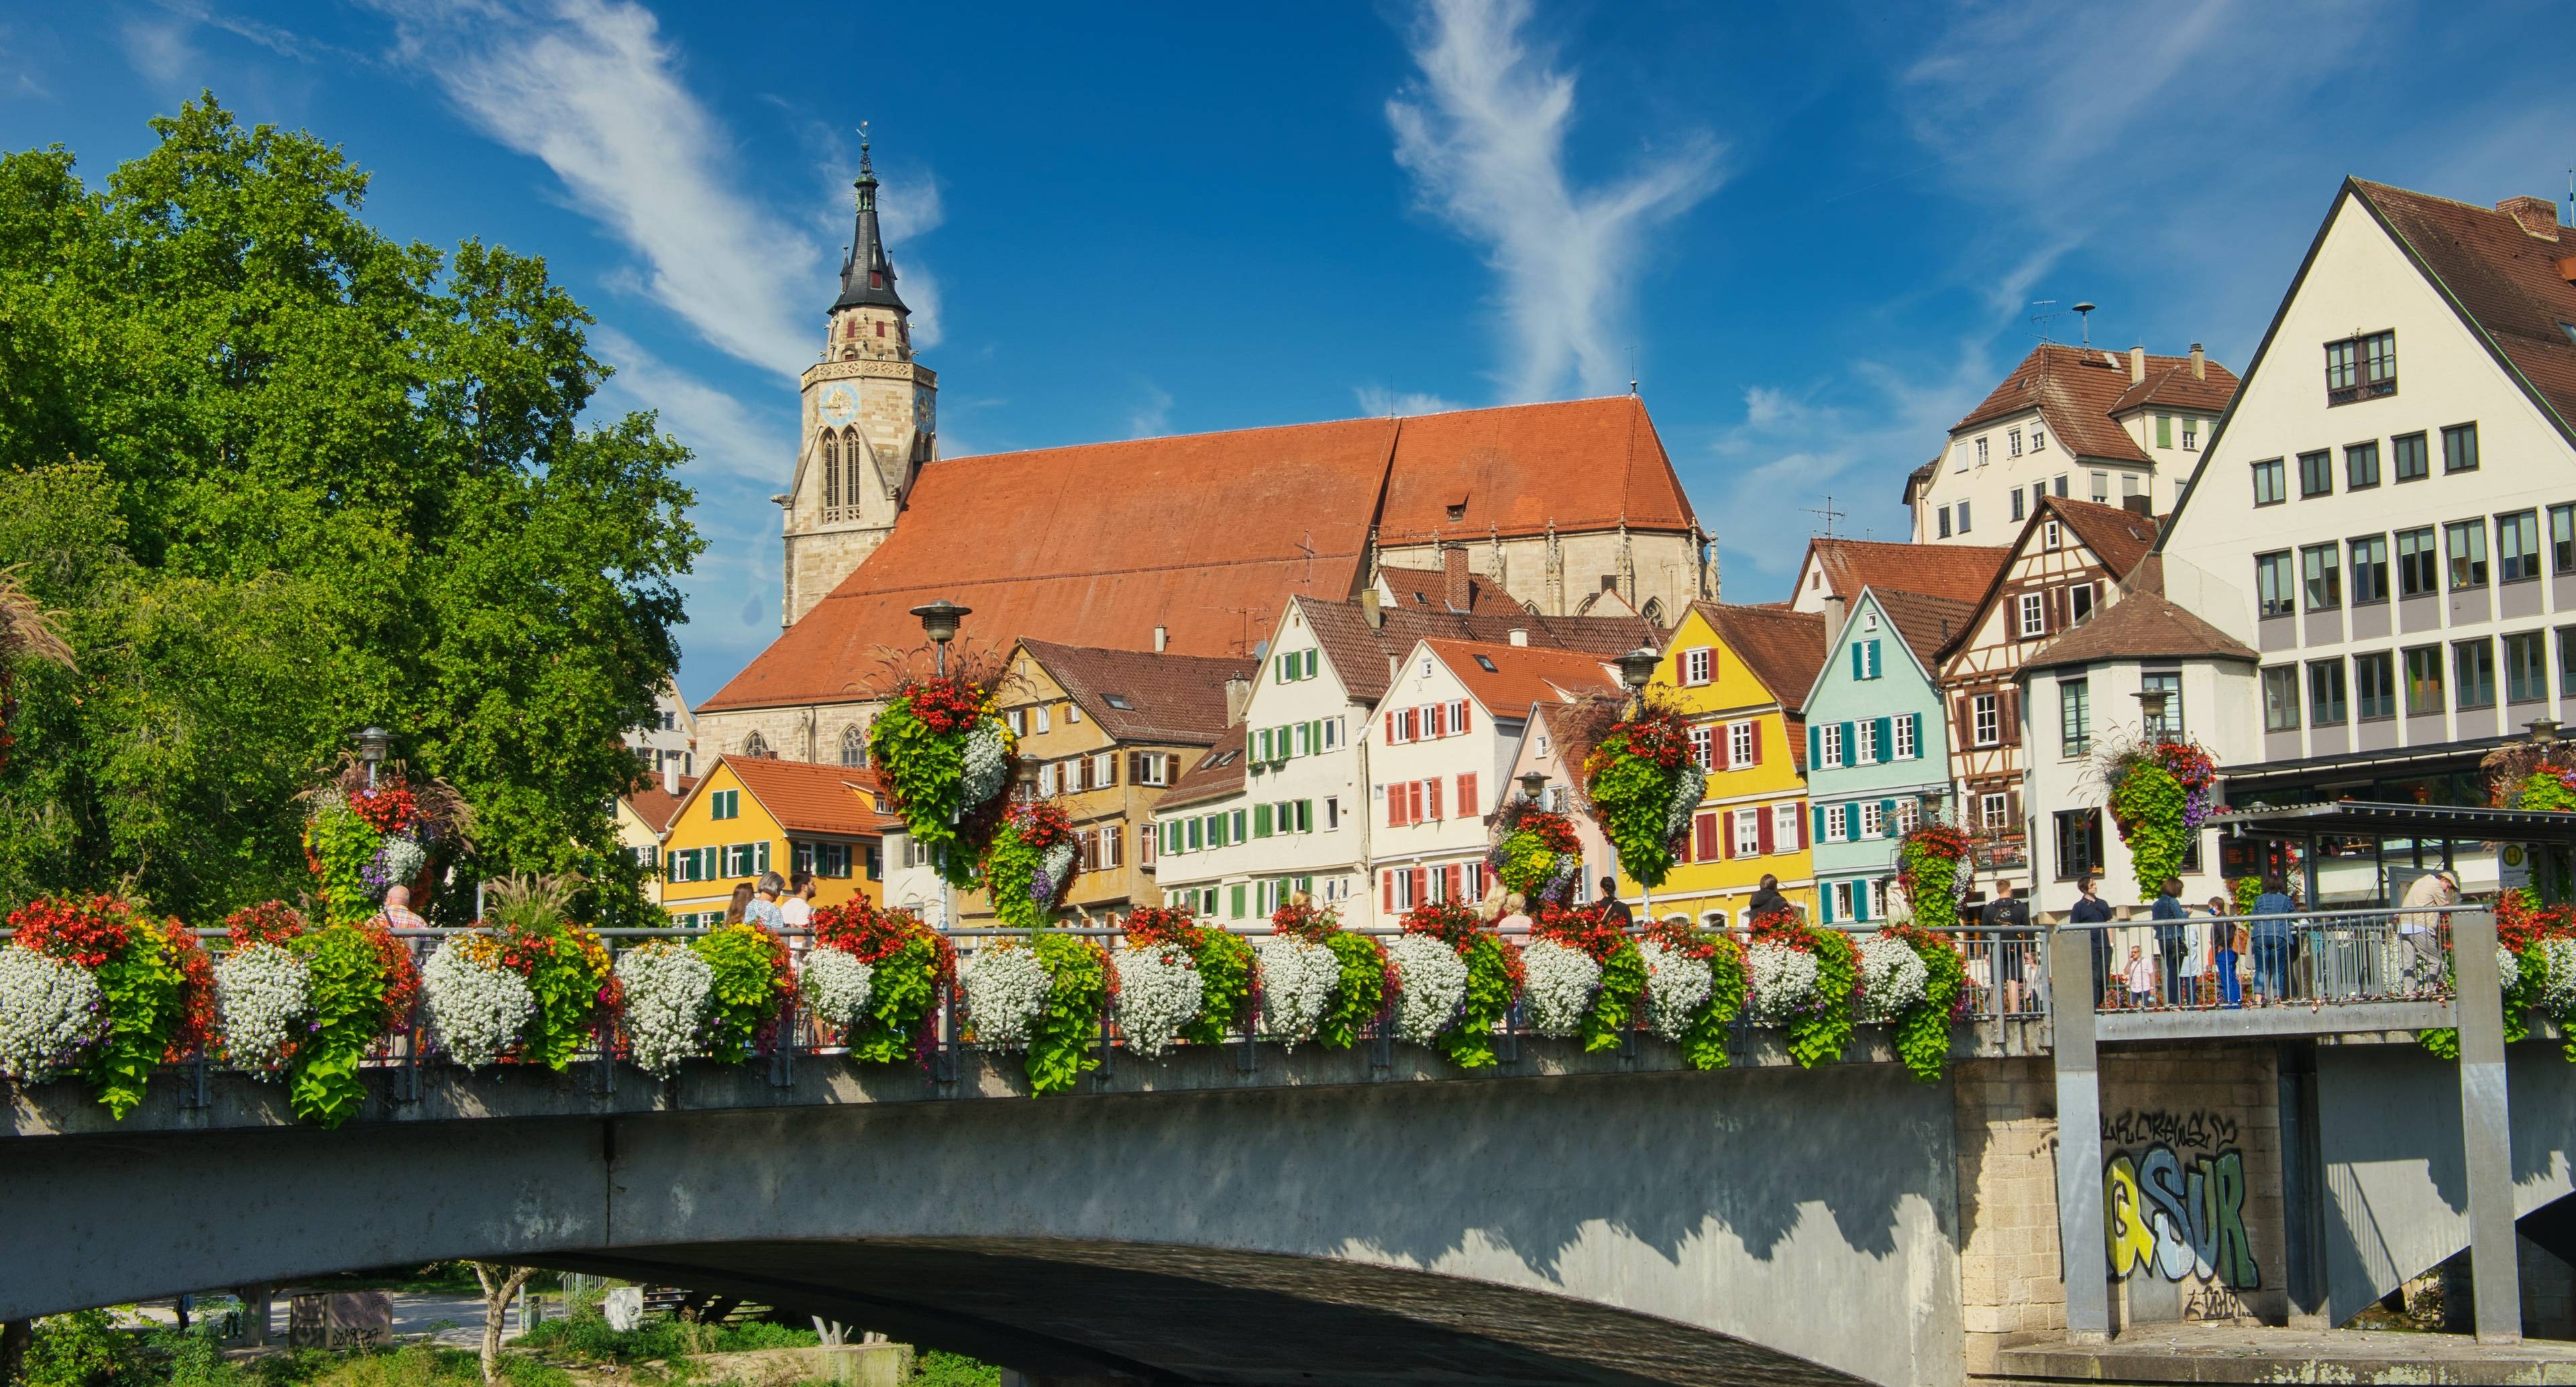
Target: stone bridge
1251, 1216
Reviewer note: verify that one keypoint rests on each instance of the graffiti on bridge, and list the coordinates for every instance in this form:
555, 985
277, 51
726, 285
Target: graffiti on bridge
2172, 1217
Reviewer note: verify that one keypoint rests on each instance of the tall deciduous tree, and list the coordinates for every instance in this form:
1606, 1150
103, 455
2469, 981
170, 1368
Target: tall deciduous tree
280, 477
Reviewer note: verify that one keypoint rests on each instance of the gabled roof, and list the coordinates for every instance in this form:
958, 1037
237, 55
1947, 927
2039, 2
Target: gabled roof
1206, 535
1785, 649
1959, 572
2079, 390
2116, 536
1429, 588
1140, 696
1216, 775
806, 798
2140, 626
1360, 652
1520, 675
2509, 284
655, 806
1924, 623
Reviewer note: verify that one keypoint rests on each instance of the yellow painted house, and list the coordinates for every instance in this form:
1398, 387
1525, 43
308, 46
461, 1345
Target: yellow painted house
750, 815
1741, 673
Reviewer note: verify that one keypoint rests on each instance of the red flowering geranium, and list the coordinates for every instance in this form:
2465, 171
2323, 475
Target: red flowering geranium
269, 922
389, 808
872, 933
1306, 922
1149, 925
2520, 923
946, 703
88, 933
196, 1022
1585, 927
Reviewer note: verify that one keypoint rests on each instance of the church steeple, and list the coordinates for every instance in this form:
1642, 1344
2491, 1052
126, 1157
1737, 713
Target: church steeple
867, 276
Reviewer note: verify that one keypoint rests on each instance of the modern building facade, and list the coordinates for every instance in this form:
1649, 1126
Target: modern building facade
2388, 513
2077, 423
1740, 674
1878, 746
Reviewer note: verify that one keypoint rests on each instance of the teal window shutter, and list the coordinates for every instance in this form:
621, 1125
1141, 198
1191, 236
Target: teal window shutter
1851, 745
1885, 730
1815, 746
1825, 902
1875, 668
1860, 660
1820, 823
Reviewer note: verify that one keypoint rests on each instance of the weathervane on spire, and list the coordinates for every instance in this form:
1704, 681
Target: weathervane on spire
863, 148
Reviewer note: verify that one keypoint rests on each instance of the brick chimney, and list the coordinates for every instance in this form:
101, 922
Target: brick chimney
1457, 588
1238, 697
2137, 365
2199, 363
2538, 215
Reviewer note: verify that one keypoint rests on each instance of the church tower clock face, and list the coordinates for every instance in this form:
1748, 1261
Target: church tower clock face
839, 406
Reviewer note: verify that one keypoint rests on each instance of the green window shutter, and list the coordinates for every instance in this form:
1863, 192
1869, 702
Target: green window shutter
2164, 430
1310, 664
764, 856
1237, 902
1305, 816
1885, 730
1237, 836
1261, 821
1860, 662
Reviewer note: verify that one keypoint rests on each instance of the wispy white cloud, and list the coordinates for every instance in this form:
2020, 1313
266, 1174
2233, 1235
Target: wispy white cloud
1378, 400
158, 47
591, 88
1483, 133
1152, 416
716, 425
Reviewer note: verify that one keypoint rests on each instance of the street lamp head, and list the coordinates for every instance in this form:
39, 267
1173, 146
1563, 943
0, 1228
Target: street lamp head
2543, 731
1532, 782
372, 744
1637, 667
2152, 703
940, 619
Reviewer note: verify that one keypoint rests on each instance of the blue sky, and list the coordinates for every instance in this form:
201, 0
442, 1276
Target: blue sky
1813, 232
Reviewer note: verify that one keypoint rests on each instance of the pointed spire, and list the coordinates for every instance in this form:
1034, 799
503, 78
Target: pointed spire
867, 276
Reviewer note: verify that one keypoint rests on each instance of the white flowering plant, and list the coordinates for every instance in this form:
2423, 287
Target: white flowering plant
477, 1006
264, 992
1561, 982
944, 755
1892, 977
1802, 980
1298, 977
1431, 982
1160, 992
838, 987
1694, 989
668, 988
1005, 985
1782, 984
51, 1010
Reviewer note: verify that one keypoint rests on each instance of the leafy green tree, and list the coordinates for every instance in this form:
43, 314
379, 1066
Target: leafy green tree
279, 477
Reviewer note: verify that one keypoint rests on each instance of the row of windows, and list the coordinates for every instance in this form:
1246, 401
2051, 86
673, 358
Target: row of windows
1311, 738
2078, 841
1865, 820
2051, 610
2409, 460
1727, 746
1856, 902
1230, 827
1428, 721
2075, 712
1403, 888
2373, 689
1756, 832
2012, 445
717, 863
1418, 801
1834, 745
2423, 558
1246, 900
1040, 717
1290, 666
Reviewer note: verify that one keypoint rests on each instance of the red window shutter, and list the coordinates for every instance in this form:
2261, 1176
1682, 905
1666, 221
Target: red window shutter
1421, 885
1718, 750
1451, 885
1413, 724
1431, 793
2011, 702
1390, 727
1705, 846
1468, 804
1757, 744
1458, 715
1386, 888
1395, 806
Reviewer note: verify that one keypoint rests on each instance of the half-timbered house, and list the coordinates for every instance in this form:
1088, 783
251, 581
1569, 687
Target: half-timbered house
2065, 566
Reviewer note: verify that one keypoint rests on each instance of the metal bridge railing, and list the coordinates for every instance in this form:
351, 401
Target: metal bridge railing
2307, 958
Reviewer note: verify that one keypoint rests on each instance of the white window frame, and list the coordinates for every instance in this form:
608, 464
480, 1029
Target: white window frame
2031, 615
1698, 665
1046, 780
1873, 821
1837, 824
1986, 719
1739, 743
1748, 833
1864, 742
1045, 719
1908, 814
1829, 746
1785, 828
1900, 741
1703, 745
1992, 808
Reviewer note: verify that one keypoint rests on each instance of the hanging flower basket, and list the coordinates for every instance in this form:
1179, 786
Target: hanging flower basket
1643, 786
945, 755
669, 992
752, 985
1536, 852
2535, 968
1043, 996
363, 841
1031, 864
1802, 980
153, 989
1618, 976
1932, 873
1694, 989
908, 963
2160, 795
1470, 1001
359, 981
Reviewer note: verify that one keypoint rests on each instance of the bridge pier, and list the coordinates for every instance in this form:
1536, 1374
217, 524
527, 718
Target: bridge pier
2486, 1130
2079, 1143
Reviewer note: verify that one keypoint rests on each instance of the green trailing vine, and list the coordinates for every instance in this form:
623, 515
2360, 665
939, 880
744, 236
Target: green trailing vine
1494, 979
1931, 862
1642, 784
1818, 1033
2147, 806
569, 971
350, 986
1361, 995
1705, 1039
944, 755
1064, 1040
751, 983
1922, 1031
2243, 891
1623, 970
144, 974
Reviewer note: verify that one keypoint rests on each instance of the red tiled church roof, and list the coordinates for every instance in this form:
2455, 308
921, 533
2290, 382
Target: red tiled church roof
1207, 534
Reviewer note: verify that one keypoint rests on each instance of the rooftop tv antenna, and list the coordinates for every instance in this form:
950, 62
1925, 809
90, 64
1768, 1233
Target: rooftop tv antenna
2041, 312
1827, 515
2085, 312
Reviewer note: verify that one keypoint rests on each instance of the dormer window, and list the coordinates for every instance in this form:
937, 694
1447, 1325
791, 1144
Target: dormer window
1458, 511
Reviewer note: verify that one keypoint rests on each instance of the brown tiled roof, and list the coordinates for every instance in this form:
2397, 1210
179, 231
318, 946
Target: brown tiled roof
2117, 536
1360, 653
1523, 674
1429, 587
2513, 285
1167, 698
1925, 623
807, 798
1206, 534
655, 807
2140, 626
1218, 774
1960, 572
1785, 649
2077, 390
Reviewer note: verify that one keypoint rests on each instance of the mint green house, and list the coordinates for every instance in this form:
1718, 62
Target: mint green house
1878, 746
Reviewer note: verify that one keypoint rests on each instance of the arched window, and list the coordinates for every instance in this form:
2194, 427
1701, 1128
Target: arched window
854, 745
756, 745
831, 474
1654, 613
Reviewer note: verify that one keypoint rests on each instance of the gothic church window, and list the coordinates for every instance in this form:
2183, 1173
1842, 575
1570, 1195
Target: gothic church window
831, 473
756, 745
854, 745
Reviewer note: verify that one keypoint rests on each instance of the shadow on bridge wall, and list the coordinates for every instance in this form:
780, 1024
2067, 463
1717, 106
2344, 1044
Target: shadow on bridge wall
1813, 1214
2396, 1190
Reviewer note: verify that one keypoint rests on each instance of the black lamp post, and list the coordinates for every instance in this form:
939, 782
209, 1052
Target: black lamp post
939, 621
1636, 670
372, 744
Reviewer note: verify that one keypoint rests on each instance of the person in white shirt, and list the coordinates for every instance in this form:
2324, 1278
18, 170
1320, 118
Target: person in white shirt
796, 912
2418, 965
